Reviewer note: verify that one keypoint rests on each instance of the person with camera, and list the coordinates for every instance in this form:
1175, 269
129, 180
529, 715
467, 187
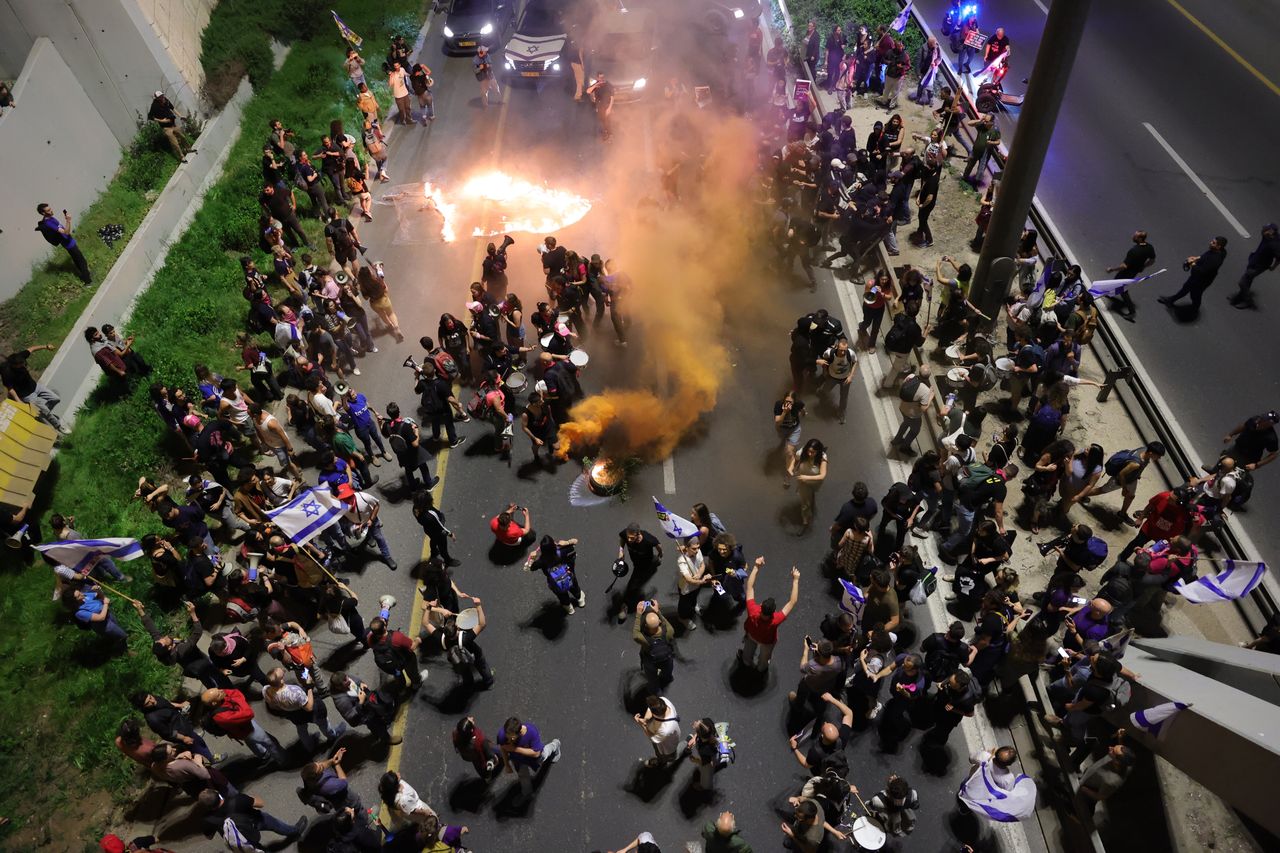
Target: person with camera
656, 637
1077, 551
361, 705
821, 671
484, 74
472, 745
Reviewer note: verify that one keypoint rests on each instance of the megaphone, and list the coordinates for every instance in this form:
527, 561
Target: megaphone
409, 362
18, 539
506, 241
254, 559
385, 603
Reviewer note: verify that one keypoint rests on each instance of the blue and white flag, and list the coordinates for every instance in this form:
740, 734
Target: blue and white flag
1112, 286
1007, 805
307, 515
1155, 721
1238, 580
900, 23
77, 554
346, 32
1117, 643
851, 599
672, 524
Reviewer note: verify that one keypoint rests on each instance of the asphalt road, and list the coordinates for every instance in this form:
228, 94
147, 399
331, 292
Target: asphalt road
1143, 63
575, 676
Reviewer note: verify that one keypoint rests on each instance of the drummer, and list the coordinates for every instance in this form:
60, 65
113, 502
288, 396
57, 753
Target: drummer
544, 319
502, 360
540, 425
559, 345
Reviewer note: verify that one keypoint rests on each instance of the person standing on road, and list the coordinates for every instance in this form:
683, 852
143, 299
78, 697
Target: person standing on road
601, 93
361, 705
57, 234
1262, 259
1253, 443
406, 440
229, 711
521, 743
1140, 256
760, 630
398, 81
395, 653
645, 552
484, 74
300, 706
655, 636
1201, 271
556, 559
837, 365
661, 725
432, 521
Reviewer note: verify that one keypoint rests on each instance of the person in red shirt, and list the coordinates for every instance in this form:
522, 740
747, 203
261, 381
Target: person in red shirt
510, 535
229, 711
1165, 516
395, 652
761, 628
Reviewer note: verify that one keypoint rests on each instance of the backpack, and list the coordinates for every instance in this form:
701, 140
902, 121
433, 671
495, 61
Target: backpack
659, 650
902, 335
445, 365
978, 473
384, 655
1097, 550
561, 577
459, 655
1243, 491
1047, 417
1120, 460
910, 385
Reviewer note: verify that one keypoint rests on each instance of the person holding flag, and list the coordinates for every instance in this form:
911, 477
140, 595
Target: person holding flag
994, 791
92, 612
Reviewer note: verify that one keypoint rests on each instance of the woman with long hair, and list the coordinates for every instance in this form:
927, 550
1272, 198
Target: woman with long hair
788, 413
709, 527
373, 287
809, 470
402, 802
453, 337
1050, 466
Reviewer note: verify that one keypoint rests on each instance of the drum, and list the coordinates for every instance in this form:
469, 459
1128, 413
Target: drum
1004, 367
955, 352
562, 318
468, 619
867, 834
579, 358
958, 375
516, 382
545, 340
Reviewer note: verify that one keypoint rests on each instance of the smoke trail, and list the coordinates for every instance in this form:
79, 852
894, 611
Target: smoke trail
688, 261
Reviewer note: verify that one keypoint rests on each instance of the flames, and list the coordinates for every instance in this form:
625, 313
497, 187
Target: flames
519, 205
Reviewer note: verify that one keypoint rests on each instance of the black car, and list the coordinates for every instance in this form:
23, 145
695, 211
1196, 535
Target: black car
471, 23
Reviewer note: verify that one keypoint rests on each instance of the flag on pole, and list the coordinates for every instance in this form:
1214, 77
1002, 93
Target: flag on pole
900, 23
1007, 805
352, 39
851, 599
1155, 721
673, 525
307, 515
79, 553
1117, 643
1112, 286
1238, 580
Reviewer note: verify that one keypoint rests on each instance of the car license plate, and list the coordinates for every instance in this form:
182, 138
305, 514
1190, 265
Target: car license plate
530, 74
466, 44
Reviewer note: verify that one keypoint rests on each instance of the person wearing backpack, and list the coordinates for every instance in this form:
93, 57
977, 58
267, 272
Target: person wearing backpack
915, 395
901, 340
1124, 469
461, 649
656, 638
439, 403
405, 439
241, 820
982, 491
1095, 697
703, 748
395, 653
57, 234
556, 558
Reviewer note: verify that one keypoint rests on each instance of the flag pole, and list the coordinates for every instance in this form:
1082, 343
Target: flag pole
298, 549
117, 592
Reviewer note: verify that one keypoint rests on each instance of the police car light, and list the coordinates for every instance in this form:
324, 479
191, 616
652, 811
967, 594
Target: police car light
486, 29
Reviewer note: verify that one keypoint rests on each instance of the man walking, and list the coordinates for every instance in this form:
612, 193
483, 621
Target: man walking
601, 94
484, 73
521, 743
1124, 469
1201, 271
957, 697
760, 631
1262, 259
1140, 256
645, 552
398, 81
916, 394
57, 234
654, 635
230, 713
927, 60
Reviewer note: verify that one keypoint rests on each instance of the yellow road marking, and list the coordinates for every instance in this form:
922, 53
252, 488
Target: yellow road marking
1232, 52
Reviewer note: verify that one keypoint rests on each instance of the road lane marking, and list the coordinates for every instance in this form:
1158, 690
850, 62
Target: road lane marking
1220, 42
1195, 179
669, 475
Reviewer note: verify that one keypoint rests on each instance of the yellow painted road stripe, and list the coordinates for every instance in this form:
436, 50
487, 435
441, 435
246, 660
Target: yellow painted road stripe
401, 721
1218, 40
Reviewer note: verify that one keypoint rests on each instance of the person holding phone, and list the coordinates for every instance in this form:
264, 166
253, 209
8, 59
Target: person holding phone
55, 233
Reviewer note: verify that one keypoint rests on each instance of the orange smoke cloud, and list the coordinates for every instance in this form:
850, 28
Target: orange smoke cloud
688, 261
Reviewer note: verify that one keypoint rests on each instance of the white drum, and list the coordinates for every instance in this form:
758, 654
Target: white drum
579, 358
867, 834
468, 619
955, 352
1004, 367
958, 375
517, 382
546, 339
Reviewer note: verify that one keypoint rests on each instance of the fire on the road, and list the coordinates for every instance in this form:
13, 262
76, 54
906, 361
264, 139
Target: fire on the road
516, 203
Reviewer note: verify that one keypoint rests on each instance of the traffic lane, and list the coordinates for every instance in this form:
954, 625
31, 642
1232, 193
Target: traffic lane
735, 468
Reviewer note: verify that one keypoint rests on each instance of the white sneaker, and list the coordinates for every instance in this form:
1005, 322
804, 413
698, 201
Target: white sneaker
356, 371
373, 349
423, 673
568, 608
871, 715
582, 600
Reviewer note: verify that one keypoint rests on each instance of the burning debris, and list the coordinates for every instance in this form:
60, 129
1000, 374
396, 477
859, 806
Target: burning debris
514, 204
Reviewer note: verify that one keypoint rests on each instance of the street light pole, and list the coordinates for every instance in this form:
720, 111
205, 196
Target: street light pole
1039, 113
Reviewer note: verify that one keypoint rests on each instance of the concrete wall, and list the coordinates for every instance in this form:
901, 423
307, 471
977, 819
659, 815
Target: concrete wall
117, 50
57, 148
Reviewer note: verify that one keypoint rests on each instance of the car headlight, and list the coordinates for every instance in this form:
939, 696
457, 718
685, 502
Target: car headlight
639, 84
510, 64
486, 29
738, 13
448, 33
555, 66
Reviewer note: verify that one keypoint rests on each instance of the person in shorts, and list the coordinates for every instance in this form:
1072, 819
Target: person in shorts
787, 415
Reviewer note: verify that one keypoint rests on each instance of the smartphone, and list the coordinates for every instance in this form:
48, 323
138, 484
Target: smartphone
1062, 653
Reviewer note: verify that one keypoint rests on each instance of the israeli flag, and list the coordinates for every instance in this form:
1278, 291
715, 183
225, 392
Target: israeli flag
1006, 805
346, 32
1117, 643
307, 515
673, 525
1112, 286
900, 23
851, 599
1238, 580
79, 553
1155, 721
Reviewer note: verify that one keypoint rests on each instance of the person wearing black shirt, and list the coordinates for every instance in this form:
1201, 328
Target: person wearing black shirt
957, 698
1140, 256
246, 813
169, 721
1265, 257
1201, 271
21, 385
343, 241
332, 163
833, 737
1254, 442
645, 552
315, 189
553, 258
183, 653
163, 114
432, 521
438, 403
277, 199
214, 450
272, 169
601, 94
860, 505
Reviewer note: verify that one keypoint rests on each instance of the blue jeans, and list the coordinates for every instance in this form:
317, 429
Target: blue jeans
375, 533
370, 436
110, 629
964, 524
106, 567
263, 745
271, 823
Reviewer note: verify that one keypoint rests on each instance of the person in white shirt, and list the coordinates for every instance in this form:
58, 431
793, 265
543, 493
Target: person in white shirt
402, 802
362, 513
916, 394
300, 706
661, 724
398, 80
692, 578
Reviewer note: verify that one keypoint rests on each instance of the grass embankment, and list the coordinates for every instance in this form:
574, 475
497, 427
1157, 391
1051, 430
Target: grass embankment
849, 14
56, 729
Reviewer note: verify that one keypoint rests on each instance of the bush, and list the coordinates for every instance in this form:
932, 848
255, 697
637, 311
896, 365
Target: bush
849, 14
145, 172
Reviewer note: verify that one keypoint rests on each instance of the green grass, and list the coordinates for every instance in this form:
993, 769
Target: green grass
849, 14
44, 310
63, 713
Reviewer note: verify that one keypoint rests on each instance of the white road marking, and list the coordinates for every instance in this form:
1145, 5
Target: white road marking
1195, 179
1043, 8
669, 475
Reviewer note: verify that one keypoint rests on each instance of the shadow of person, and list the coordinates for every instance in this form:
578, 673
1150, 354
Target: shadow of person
469, 795
693, 799
647, 782
549, 619
746, 681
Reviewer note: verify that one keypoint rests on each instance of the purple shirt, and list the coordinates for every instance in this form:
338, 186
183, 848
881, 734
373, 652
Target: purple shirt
1088, 628
531, 739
